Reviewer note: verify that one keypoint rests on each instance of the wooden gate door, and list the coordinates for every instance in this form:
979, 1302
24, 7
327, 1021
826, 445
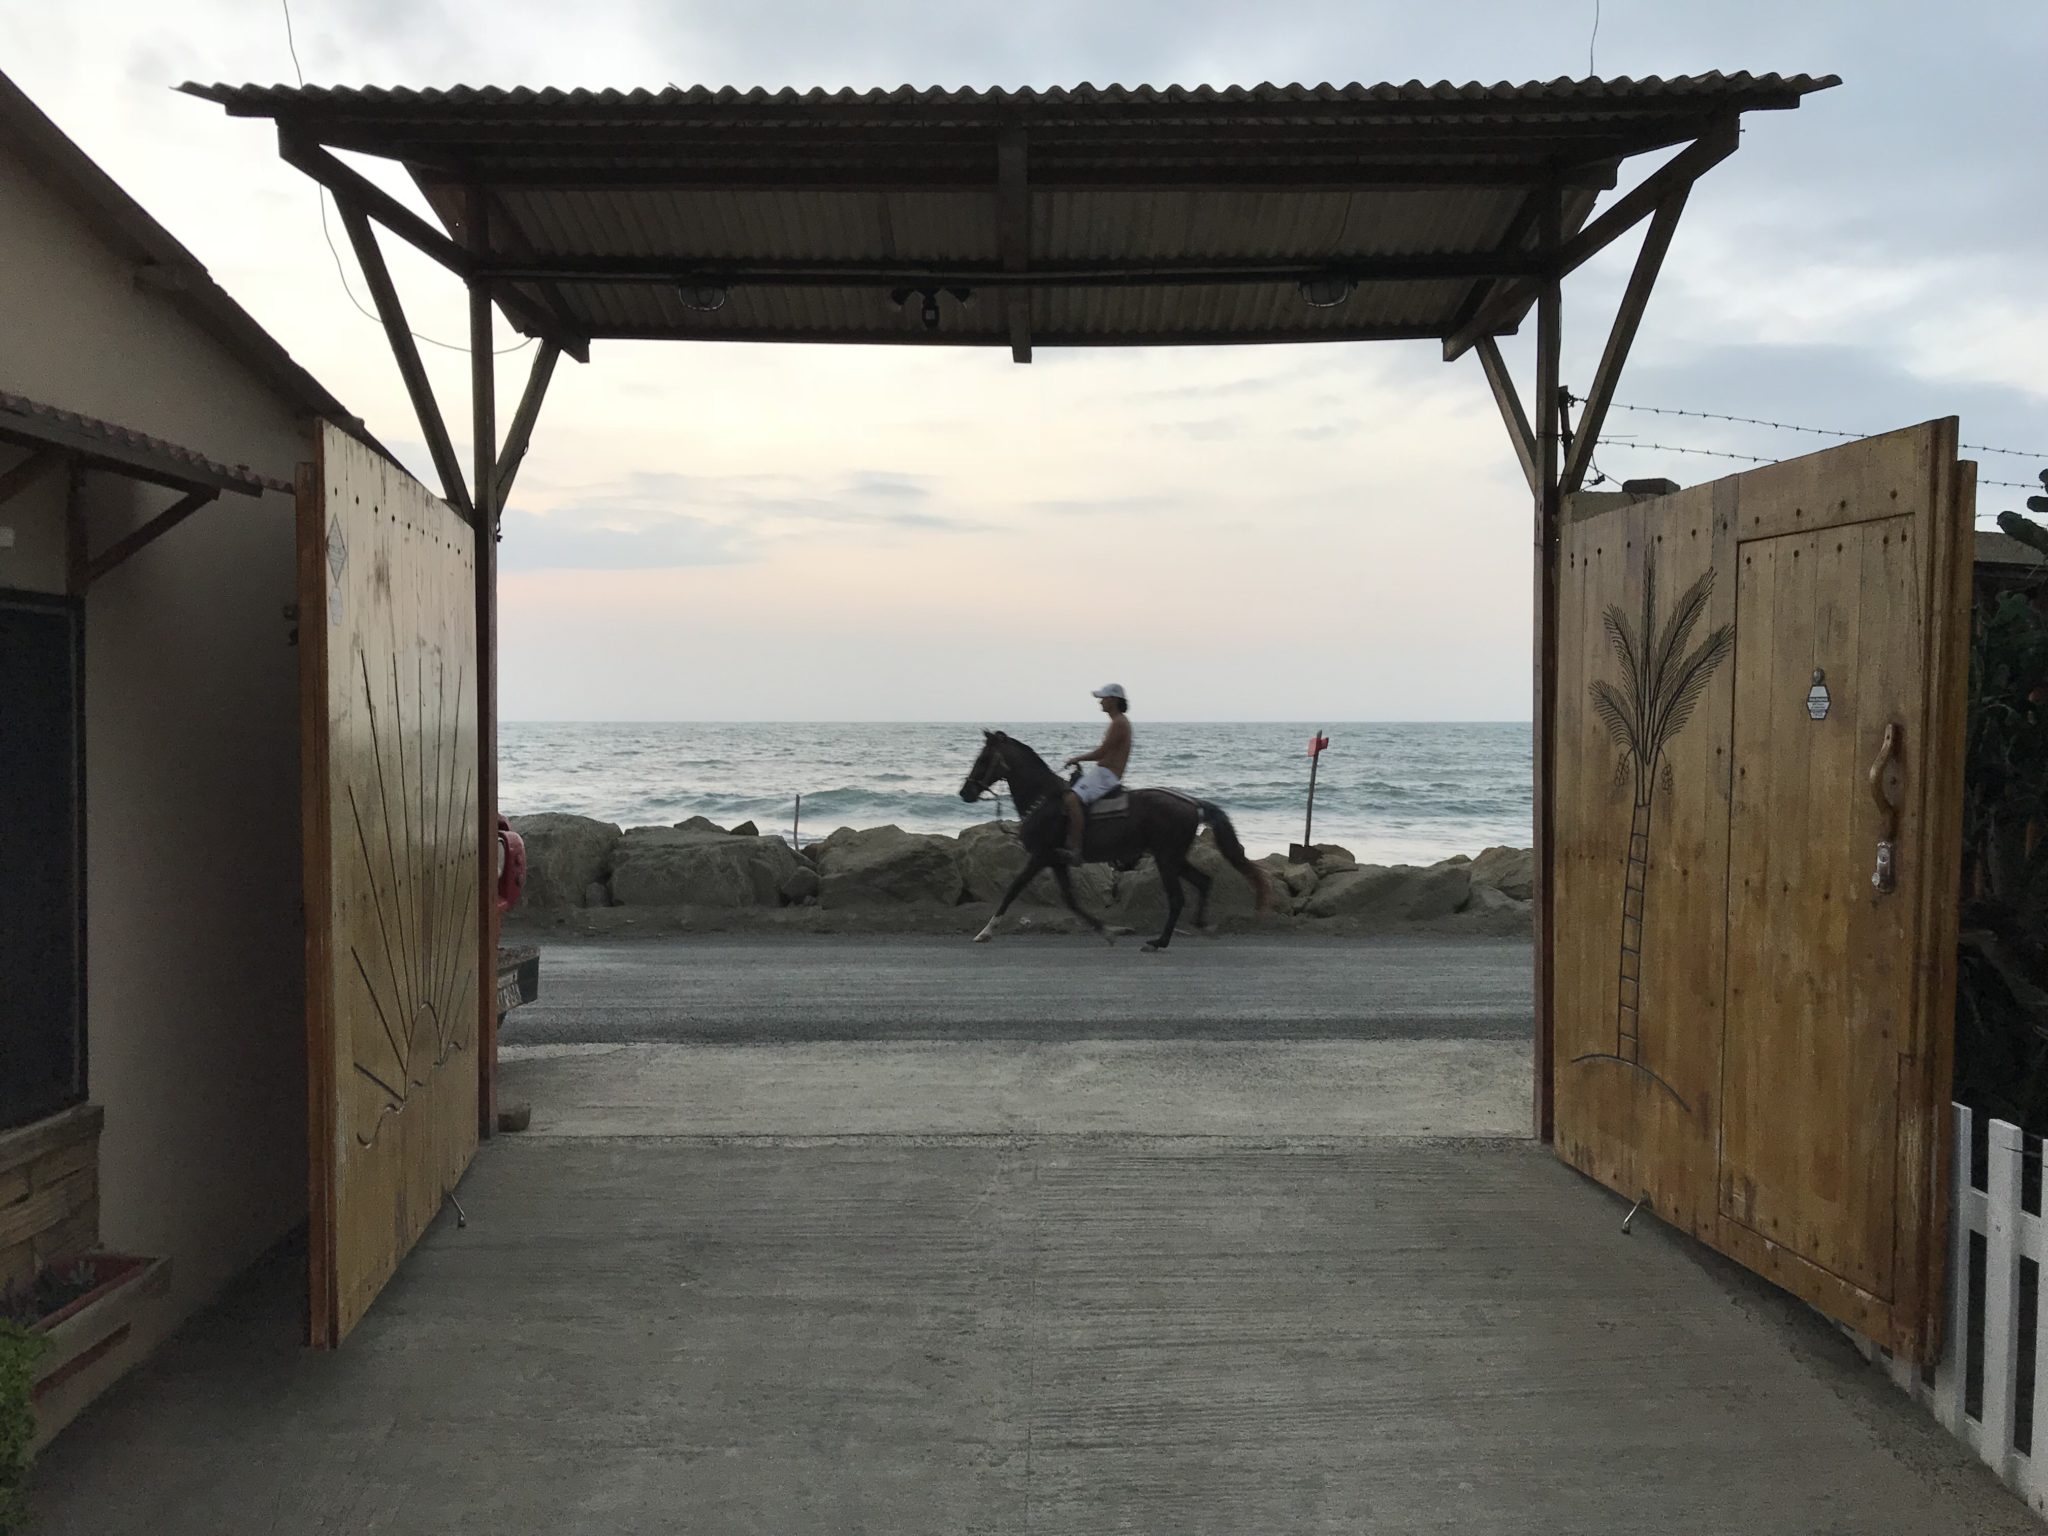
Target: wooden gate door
388, 702
1759, 824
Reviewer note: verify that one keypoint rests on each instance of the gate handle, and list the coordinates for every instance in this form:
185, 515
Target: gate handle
1887, 788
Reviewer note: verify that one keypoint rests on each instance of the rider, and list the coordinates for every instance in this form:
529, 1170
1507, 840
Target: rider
1105, 770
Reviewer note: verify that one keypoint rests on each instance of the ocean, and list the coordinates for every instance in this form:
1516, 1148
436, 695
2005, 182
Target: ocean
1392, 793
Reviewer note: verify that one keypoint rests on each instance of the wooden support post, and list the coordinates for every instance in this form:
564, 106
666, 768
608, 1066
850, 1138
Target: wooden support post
484, 523
75, 545
39, 463
1634, 300
98, 565
1013, 234
1510, 402
521, 431
1549, 506
407, 353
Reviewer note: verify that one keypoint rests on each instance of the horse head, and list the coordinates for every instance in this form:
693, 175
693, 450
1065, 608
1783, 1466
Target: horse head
988, 770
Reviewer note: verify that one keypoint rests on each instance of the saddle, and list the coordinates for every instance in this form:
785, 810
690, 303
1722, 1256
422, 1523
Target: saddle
1116, 803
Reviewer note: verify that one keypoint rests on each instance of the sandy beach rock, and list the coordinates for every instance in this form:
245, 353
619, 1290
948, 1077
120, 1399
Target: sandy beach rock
800, 885
1511, 871
992, 855
682, 866
1400, 893
700, 824
565, 857
887, 864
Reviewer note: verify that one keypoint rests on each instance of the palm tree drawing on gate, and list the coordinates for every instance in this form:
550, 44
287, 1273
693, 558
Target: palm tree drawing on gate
1661, 683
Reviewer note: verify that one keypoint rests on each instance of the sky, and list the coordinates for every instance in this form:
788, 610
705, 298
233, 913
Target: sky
733, 532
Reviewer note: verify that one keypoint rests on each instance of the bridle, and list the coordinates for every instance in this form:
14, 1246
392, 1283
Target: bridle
985, 789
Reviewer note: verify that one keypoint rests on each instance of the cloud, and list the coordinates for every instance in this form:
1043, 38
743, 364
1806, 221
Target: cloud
657, 520
533, 543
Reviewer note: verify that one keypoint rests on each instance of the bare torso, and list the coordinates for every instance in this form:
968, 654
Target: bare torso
1115, 751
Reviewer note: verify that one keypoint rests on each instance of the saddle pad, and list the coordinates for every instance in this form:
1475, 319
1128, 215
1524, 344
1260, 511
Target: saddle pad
1116, 803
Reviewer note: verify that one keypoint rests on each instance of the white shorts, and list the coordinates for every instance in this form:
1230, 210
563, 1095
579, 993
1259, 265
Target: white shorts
1095, 782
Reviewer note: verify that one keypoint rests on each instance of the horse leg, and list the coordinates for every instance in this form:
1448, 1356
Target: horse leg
1066, 881
1017, 885
1194, 876
1170, 867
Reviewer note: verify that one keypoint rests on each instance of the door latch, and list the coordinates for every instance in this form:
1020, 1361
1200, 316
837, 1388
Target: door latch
1888, 788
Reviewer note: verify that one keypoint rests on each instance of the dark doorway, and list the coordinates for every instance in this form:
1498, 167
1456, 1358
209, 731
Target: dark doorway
42, 856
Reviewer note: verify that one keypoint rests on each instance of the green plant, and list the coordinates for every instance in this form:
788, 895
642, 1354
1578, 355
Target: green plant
2002, 963
19, 1350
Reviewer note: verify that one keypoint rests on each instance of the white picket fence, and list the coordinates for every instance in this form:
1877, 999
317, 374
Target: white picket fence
1984, 1351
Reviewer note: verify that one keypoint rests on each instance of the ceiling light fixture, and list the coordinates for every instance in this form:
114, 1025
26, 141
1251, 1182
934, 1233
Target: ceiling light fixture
1327, 292
704, 297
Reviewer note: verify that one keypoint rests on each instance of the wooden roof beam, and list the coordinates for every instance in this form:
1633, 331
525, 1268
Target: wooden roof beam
1681, 170
350, 186
98, 565
520, 433
706, 173
1634, 300
1509, 400
405, 351
1013, 233
1399, 268
39, 463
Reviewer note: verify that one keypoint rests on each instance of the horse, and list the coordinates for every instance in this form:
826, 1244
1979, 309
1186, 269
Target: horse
1161, 822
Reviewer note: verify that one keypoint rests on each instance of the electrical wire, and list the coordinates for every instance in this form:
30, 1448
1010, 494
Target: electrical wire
1590, 71
327, 233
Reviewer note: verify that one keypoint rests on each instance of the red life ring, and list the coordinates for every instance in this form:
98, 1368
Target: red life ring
511, 865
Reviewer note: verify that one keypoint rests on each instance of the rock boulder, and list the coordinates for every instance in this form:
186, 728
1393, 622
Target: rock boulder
887, 865
992, 855
1141, 896
1493, 915
565, 857
683, 867
1398, 894
1511, 871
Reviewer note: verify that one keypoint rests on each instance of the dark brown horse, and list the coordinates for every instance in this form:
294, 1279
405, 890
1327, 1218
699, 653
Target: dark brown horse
1161, 822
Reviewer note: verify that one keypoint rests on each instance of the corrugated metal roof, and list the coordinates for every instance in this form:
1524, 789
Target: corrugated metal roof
815, 210
30, 423
265, 101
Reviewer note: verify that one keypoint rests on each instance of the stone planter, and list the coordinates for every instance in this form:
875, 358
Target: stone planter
89, 1338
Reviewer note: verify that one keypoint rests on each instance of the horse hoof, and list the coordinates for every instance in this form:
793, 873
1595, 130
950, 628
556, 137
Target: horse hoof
1152, 947
983, 937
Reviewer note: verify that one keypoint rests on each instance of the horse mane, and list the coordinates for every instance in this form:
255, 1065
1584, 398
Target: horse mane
1032, 764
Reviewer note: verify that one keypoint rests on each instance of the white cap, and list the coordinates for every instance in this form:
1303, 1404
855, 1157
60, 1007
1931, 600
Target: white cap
1112, 691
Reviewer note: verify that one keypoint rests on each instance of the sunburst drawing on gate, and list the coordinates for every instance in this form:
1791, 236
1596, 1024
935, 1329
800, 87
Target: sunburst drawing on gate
416, 957
1660, 684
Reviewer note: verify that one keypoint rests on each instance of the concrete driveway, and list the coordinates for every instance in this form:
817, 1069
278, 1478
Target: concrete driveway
1243, 1308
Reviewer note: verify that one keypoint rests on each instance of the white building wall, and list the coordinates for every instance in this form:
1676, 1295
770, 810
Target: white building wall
195, 985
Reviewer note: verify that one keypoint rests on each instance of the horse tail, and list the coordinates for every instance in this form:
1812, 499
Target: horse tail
1232, 848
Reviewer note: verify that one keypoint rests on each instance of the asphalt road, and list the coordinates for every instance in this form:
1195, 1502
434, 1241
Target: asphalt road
741, 990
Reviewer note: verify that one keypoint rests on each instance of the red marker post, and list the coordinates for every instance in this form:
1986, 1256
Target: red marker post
1316, 744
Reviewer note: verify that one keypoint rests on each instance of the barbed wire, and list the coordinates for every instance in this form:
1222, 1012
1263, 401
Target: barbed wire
1787, 426
1755, 458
